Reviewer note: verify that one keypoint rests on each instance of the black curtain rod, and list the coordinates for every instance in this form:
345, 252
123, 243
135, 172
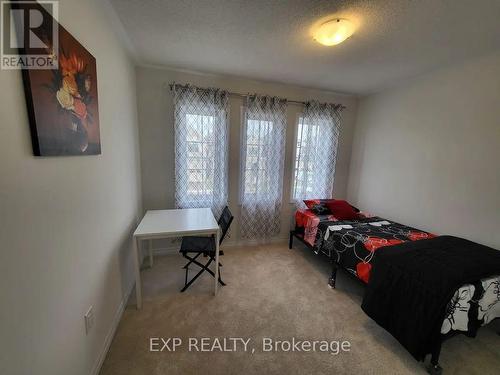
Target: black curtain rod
237, 94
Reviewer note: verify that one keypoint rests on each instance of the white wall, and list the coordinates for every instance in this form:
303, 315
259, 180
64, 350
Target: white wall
427, 154
66, 221
157, 136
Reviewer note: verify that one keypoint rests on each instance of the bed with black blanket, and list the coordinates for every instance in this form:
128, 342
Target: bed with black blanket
354, 245
411, 285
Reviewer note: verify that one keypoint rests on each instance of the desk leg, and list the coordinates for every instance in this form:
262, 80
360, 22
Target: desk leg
137, 262
150, 253
217, 236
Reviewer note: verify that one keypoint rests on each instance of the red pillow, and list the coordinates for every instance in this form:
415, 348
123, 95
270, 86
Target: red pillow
342, 210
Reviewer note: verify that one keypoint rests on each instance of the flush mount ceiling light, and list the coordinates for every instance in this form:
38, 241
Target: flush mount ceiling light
334, 31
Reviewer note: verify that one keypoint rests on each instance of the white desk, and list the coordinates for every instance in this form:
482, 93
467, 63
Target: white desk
173, 223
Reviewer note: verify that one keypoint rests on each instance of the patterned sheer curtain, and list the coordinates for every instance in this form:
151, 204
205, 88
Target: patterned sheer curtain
201, 147
263, 151
316, 151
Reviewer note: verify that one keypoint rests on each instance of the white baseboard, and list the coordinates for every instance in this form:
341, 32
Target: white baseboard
112, 331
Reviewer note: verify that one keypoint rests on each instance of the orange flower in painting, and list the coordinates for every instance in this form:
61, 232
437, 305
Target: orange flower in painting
71, 65
68, 95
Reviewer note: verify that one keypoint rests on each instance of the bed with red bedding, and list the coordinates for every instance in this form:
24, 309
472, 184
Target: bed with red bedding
347, 236
352, 244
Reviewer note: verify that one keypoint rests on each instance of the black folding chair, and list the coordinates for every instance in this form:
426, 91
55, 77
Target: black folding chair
205, 246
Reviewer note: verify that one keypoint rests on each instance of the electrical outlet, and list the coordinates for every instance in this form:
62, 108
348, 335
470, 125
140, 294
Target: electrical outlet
89, 319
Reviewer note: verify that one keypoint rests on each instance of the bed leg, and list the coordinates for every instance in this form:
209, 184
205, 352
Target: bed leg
434, 368
290, 241
333, 278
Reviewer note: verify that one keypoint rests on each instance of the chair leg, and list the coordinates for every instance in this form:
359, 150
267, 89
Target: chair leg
186, 267
191, 260
208, 269
203, 269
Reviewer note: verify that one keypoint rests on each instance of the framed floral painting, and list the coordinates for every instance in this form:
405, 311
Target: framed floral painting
62, 103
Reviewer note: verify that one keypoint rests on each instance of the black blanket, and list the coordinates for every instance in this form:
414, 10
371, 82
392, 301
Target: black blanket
412, 283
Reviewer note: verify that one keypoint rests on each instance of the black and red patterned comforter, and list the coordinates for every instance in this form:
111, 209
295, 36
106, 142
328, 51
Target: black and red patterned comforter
353, 243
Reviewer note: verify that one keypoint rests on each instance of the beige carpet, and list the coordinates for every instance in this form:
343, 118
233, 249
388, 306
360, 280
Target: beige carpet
277, 293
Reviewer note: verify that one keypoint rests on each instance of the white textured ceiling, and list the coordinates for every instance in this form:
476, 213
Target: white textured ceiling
270, 39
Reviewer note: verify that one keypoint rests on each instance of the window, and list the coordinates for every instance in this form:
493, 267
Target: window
315, 152
201, 147
304, 168
262, 157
